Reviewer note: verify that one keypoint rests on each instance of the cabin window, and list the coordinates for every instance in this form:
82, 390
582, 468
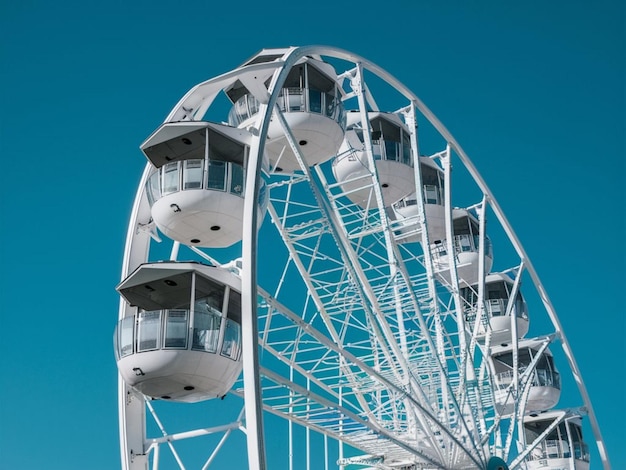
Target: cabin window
391, 151
431, 194
294, 99
315, 101
406, 150
581, 452
148, 330
464, 243
222, 176
192, 174
209, 296
236, 180
234, 306
206, 331
232, 340
176, 329
433, 184
214, 319
331, 106
469, 295
378, 149
126, 336
217, 175
154, 188
496, 307
520, 305
544, 373
547, 375
170, 178
305, 89
554, 446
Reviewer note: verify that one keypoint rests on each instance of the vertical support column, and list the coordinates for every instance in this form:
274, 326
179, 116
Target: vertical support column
131, 409
454, 279
290, 425
249, 326
341, 467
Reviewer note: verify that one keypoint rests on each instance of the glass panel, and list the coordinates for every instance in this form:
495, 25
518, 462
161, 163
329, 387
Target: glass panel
461, 226
170, 178
217, 175
496, 307
206, 331
209, 296
116, 341
439, 249
464, 243
377, 149
295, 78
192, 174
126, 334
263, 197
330, 105
176, 329
315, 101
148, 330
496, 291
406, 149
232, 340
239, 112
236, 179
476, 240
391, 150
295, 99
234, 306
431, 194
580, 451
153, 188
253, 105
241, 109
467, 294
520, 309
316, 80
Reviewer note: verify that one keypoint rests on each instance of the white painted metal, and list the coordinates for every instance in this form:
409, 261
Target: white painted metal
347, 328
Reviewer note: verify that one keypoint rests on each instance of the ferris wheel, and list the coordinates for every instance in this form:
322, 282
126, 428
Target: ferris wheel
309, 257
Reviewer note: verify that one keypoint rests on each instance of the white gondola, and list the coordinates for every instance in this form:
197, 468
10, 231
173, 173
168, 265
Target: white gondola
495, 321
543, 379
466, 230
562, 447
197, 186
310, 99
406, 210
181, 338
391, 147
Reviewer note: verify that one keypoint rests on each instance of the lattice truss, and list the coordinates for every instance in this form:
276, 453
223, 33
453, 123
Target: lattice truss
371, 354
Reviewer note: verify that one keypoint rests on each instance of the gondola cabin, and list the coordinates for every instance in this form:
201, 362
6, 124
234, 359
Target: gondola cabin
391, 148
180, 338
311, 102
562, 448
544, 379
466, 245
494, 320
196, 188
406, 210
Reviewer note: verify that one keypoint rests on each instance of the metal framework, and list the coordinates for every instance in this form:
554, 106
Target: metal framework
349, 329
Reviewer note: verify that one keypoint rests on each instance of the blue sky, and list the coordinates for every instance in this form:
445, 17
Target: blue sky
533, 91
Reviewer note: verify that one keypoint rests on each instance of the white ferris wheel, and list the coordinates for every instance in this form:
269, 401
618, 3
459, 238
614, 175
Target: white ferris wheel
300, 251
